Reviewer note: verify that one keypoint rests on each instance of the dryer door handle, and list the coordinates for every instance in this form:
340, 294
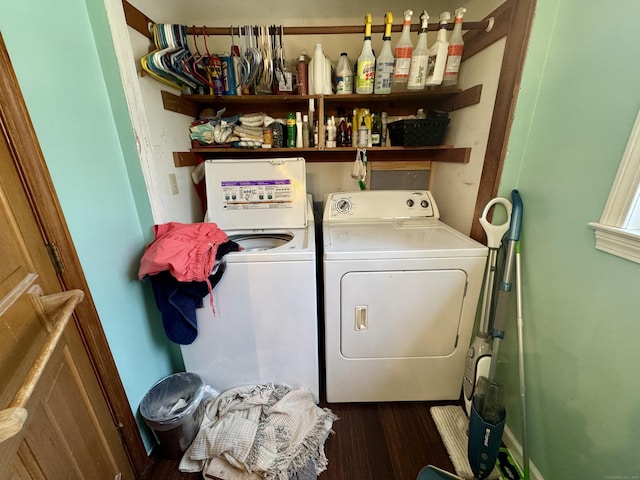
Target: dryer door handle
360, 320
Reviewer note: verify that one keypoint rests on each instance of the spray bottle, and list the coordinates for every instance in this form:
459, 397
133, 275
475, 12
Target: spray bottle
456, 45
402, 52
438, 52
366, 61
420, 58
384, 65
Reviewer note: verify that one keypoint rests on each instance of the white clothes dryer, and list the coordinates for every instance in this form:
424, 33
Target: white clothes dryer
264, 329
401, 291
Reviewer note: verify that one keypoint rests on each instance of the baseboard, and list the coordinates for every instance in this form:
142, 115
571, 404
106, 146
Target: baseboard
515, 448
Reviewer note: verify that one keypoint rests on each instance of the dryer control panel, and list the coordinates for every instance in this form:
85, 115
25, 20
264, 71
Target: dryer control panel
380, 205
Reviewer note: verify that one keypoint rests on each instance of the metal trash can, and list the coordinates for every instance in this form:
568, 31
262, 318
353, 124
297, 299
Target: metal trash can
173, 409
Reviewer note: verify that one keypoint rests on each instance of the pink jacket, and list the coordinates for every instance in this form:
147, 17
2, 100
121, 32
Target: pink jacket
186, 250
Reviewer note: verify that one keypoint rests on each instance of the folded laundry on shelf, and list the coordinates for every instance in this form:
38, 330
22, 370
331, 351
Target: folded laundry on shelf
253, 131
253, 119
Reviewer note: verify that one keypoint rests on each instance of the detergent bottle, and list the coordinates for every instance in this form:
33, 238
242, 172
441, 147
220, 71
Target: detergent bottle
420, 58
438, 52
456, 46
344, 75
384, 64
319, 73
366, 62
402, 52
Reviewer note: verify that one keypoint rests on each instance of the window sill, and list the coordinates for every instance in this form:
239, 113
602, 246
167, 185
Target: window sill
617, 241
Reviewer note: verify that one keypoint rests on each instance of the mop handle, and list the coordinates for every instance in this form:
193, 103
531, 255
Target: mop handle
495, 232
494, 235
502, 305
523, 404
513, 237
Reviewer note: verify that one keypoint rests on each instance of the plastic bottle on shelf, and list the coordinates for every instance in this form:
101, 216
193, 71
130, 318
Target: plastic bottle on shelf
383, 129
384, 63
366, 62
302, 72
354, 128
438, 52
316, 137
319, 73
331, 133
343, 133
291, 129
454, 54
420, 58
298, 130
305, 131
363, 135
402, 53
375, 130
344, 75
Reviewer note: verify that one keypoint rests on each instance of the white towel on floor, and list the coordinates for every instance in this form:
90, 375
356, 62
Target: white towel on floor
262, 431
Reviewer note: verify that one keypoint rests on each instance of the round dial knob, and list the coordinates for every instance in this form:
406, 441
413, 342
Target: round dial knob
424, 204
343, 205
410, 203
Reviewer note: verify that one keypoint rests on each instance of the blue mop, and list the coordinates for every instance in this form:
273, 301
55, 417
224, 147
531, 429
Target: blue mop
488, 415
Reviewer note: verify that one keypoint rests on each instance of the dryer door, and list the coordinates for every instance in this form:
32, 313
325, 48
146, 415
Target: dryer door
392, 314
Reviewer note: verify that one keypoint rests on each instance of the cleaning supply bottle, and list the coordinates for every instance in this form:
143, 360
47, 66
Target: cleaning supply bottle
302, 70
384, 63
420, 58
383, 129
438, 52
319, 73
298, 129
454, 55
366, 62
376, 137
291, 129
331, 133
344, 75
363, 135
402, 52
305, 131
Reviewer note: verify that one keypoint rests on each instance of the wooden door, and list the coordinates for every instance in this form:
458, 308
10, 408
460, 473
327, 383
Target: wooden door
65, 430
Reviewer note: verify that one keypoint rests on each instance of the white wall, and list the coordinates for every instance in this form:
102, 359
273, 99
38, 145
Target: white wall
455, 186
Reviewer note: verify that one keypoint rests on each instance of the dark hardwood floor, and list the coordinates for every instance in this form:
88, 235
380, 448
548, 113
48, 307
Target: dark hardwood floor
372, 441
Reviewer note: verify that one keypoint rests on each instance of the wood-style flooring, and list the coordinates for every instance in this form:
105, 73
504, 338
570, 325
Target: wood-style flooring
372, 441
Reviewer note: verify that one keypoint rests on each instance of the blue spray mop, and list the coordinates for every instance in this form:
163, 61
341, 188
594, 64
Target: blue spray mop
488, 415
479, 354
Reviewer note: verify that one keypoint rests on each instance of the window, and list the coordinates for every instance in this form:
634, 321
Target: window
618, 231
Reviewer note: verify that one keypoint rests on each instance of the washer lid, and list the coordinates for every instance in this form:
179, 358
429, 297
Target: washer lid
256, 193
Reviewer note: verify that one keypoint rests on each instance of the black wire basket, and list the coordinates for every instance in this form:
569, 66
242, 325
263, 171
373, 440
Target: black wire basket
423, 132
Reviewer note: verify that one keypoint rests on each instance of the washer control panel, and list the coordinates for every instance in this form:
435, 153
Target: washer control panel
380, 205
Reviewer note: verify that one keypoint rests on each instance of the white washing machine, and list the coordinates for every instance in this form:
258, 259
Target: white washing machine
401, 290
265, 326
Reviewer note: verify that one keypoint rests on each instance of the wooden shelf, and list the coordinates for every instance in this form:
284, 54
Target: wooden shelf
442, 153
440, 98
403, 103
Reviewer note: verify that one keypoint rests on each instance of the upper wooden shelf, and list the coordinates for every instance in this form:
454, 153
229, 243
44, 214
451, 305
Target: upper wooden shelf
445, 99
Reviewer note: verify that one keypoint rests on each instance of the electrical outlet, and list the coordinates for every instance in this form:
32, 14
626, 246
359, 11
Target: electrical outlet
173, 184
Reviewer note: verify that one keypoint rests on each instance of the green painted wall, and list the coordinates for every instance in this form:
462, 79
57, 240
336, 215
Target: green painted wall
579, 98
64, 60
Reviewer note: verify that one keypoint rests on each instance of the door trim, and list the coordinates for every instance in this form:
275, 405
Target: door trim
16, 125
